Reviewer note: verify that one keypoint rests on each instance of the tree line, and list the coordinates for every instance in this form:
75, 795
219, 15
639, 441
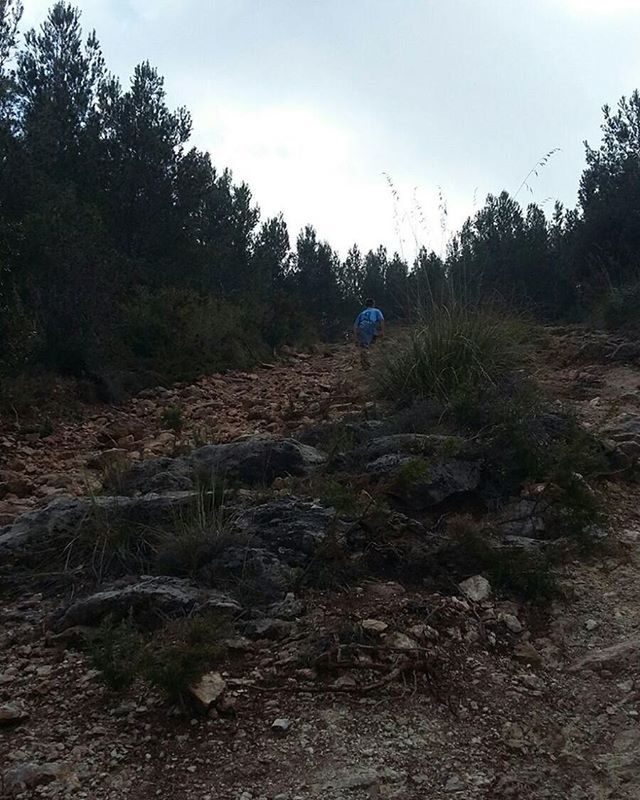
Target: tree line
122, 245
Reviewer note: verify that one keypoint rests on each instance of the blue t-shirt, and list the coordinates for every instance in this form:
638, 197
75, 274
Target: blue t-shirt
367, 324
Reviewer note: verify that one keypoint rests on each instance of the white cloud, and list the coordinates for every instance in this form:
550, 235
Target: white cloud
295, 160
317, 170
603, 7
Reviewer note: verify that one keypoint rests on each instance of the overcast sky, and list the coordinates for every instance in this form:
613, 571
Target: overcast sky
312, 101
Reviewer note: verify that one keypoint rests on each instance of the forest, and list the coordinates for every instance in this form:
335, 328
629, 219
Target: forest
125, 251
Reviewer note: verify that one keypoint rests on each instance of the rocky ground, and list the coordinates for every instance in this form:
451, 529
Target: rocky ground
380, 687
68, 453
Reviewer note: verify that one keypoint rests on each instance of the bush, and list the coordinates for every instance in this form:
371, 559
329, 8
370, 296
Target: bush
513, 571
170, 659
182, 652
173, 419
180, 334
455, 356
117, 653
620, 309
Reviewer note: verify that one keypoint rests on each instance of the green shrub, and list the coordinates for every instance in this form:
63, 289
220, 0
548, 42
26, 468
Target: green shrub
455, 355
526, 574
117, 652
109, 545
173, 419
170, 658
179, 334
620, 308
182, 652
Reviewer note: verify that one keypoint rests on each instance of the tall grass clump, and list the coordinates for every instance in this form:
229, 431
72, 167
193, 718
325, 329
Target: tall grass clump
196, 535
455, 354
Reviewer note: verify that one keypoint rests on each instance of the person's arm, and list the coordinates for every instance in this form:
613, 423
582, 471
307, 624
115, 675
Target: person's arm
382, 327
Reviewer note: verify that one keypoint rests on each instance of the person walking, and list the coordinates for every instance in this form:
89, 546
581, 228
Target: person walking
368, 326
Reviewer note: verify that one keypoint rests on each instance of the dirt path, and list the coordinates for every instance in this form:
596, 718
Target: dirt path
525, 721
273, 400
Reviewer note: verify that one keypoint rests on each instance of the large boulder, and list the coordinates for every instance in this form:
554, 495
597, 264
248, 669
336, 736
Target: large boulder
253, 461
419, 470
146, 597
437, 483
58, 522
288, 526
254, 574
524, 518
256, 461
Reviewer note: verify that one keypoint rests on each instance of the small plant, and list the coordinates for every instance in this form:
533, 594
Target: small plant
331, 566
109, 544
337, 494
183, 651
46, 428
619, 308
117, 652
114, 473
410, 473
527, 574
195, 536
173, 419
203, 435
170, 658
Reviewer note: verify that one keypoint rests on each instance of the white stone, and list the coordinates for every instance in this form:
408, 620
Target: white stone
208, 689
374, 625
476, 588
281, 725
512, 623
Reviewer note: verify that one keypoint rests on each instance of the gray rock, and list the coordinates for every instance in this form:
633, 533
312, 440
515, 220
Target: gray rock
523, 518
374, 626
288, 609
353, 778
618, 655
268, 628
11, 714
400, 641
65, 517
289, 525
621, 435
208, 689
30, 775
512, 623
281, 725
421, 470
146, 596
254, 461
441, 481
454, 784
413, 444
256, 568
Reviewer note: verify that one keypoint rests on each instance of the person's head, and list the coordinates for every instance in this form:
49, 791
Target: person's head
370, 302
